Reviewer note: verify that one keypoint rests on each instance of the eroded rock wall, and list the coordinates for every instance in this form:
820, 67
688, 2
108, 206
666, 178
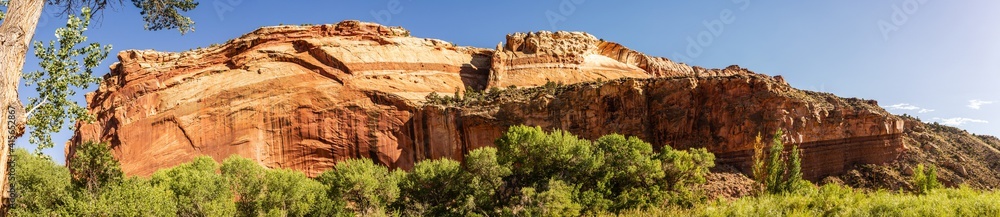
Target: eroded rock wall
721, 113
289, 96
306, 97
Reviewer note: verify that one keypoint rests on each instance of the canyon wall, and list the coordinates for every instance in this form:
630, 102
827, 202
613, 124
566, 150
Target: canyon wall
307, 97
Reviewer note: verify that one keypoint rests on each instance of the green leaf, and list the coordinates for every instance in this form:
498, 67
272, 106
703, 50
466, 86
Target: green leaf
197, 189
368, 187
62, 73
165, 14
3, 3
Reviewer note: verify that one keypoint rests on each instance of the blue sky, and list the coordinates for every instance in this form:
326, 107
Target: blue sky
932, 56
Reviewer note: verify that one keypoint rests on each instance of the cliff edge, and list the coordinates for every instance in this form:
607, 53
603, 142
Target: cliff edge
307, 97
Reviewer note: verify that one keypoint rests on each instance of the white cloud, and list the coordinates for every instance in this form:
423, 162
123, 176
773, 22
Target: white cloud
976, 104
907, 106
903, 106
959, 121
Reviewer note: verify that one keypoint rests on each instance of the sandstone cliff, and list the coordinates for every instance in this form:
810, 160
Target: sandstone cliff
306, 97
722, 113
960, 157
531, 59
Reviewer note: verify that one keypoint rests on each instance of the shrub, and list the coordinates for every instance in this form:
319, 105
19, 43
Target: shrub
41, 186
759, 166
781, 173
434, 187
614, 173
556, 200
837, 200
473, 95
92, 167
435, 98
925, 180
535, 157
484, 178
684, 170
131, 197
197, 188
246, 179
530, 173
775, 166
361, 186
630, 174
290, 193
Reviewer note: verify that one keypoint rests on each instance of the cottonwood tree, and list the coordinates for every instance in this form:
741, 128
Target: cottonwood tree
246, 179
197, 188
614, 173
925, 179
92, 168
434, 188
61, 69
291, 193
43, 189
780, 172
360, 187
19, 22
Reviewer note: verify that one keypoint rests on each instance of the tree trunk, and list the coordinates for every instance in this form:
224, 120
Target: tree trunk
16, 31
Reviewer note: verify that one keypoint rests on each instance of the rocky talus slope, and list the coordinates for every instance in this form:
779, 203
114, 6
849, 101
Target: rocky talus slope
307, 97
961, 158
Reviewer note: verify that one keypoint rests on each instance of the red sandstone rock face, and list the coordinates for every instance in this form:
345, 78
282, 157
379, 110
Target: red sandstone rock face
721, 113
532, 59
294, 97
308, 97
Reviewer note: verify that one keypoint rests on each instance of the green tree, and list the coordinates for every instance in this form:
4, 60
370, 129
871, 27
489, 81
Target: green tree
165, 14
795, 181
131, 197
246, 179
326, 206
42, 187
92, 168
290, 193
62, 72
684, 170
535, 157
630, 175
784, 171
556, 200
925, 179
485, 178
932, 181
19, 22
436, 188
197, 188
776, 165
759, 163
157, 14
361, 186
614, 173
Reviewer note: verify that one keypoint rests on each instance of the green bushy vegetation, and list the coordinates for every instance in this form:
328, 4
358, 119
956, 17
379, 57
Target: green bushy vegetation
780, 172
470, 96
838, 200
925, 180
530, 172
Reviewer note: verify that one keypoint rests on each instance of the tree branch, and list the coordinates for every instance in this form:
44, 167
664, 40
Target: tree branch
28, 114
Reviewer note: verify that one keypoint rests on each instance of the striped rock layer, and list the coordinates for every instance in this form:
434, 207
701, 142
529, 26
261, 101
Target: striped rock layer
307, 97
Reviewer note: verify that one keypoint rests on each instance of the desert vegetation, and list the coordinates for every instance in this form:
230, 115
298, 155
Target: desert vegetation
530, 172
839, 200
